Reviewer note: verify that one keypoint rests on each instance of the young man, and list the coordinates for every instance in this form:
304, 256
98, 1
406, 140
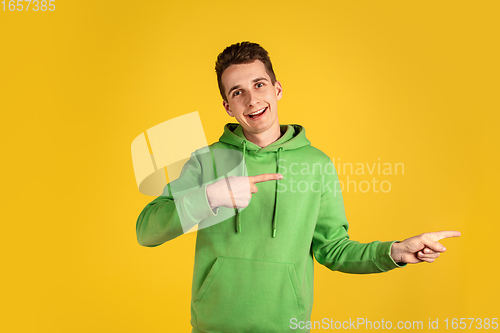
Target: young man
255, 244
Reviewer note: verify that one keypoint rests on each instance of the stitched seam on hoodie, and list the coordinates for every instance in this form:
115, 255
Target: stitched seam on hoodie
208, 287
293, 288
187, 210
323, 258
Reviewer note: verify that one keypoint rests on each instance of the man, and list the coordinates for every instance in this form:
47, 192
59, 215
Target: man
255, 244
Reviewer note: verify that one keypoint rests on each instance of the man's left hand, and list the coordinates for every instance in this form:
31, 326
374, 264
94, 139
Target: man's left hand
424, 247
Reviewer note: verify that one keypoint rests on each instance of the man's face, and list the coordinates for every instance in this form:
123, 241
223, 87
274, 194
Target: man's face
251, 97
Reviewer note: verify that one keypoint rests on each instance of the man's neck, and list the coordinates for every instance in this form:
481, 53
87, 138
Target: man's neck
264, 139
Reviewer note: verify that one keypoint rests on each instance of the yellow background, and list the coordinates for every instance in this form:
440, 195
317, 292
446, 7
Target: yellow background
407, 82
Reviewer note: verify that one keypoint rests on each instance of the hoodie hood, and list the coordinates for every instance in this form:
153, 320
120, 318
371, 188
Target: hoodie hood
292, 137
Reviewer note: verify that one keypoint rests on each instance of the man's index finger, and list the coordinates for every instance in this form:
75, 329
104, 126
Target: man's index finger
264, 177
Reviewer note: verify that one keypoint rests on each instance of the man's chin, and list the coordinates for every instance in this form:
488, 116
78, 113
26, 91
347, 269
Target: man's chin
258, 128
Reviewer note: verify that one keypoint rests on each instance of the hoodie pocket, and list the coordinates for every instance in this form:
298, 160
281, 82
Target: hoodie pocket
247, 295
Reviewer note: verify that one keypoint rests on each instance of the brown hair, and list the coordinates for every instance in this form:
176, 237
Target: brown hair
242, 53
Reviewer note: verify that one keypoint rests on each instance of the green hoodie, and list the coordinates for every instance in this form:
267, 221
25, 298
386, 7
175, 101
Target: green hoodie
253, 268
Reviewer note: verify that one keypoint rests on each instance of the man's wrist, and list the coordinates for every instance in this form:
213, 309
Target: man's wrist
396, 253
211, 202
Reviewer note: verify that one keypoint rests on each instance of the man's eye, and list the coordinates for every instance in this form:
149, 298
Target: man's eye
258, 85
236, 93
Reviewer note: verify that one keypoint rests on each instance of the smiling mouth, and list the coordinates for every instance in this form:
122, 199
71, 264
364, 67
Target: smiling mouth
257, 114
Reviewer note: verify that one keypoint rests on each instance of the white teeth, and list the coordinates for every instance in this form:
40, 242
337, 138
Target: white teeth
257, 112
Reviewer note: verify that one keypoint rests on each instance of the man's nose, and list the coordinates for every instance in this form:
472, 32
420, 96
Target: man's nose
252, 99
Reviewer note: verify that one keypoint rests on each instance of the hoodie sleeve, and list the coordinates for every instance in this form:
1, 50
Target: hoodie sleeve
331, 244
182, 205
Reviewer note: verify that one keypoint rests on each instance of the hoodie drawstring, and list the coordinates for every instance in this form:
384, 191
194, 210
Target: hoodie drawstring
238, 217
275, 217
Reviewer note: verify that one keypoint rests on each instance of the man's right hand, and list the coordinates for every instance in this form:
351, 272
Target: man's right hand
236, 192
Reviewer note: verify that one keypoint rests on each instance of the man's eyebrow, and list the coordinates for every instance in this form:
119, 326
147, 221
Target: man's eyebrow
233, 88
260, 79
254, 80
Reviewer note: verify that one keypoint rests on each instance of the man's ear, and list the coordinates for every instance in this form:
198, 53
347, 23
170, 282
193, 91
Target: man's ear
279, 90
228, 110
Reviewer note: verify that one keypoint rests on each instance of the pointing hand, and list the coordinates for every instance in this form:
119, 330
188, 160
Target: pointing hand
236, 192
424, 247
